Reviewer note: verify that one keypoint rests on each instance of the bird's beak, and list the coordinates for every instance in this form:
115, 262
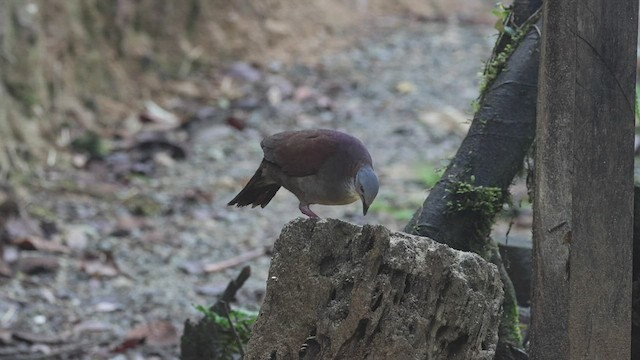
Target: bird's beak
365, 207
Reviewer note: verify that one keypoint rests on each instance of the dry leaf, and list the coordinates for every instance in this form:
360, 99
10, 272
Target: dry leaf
77, 237
159, 117
405, 87
34, 242
162, 333
6, 336
92, 326
237, 123
192, 267
107, 306
100, 264
244, 71
5, 270
159, 333
35, 338
126, 224
20, 227
37, 265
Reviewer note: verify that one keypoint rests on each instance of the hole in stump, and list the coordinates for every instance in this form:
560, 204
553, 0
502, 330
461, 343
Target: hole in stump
407, 283
456, 346
327, 265
361, 330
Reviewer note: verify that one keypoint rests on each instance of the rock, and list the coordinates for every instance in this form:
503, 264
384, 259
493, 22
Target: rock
340, 291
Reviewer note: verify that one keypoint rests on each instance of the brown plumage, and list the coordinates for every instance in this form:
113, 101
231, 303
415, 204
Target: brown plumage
318, 166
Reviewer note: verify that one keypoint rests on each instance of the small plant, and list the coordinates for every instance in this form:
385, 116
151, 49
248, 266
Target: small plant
232, 332
92, 144
502, 13
514, 34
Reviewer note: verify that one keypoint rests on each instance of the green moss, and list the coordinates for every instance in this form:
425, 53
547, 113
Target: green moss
479, 202
497, 63
486, 201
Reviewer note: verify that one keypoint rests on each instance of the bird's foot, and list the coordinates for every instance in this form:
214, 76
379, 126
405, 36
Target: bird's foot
307, 211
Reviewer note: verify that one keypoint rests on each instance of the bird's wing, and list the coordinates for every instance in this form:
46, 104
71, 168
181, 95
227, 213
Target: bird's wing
300, 153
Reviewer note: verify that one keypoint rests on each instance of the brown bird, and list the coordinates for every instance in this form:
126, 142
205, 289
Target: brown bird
318, 166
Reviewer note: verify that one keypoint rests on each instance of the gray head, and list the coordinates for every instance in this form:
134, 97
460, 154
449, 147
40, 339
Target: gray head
366, 186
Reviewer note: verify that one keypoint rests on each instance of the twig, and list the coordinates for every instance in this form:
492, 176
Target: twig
222, 265
231, 290
233, 329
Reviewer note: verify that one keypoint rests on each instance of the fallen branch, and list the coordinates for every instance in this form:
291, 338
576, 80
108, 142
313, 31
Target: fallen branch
461, 208
235, 261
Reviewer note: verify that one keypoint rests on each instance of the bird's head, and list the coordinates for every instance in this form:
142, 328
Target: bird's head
366, 186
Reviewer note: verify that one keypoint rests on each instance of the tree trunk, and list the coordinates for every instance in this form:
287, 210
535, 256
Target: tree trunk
461, 208
635, 307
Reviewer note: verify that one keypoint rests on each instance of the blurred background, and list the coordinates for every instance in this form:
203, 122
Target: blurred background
126, 126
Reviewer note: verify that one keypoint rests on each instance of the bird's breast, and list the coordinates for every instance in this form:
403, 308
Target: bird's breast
319, 190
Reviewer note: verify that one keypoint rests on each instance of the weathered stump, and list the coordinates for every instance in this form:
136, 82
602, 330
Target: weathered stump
340, 291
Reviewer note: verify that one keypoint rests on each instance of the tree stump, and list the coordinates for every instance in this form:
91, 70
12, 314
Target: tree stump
340, 291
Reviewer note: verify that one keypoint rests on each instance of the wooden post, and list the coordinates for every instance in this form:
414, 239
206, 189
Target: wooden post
584, 181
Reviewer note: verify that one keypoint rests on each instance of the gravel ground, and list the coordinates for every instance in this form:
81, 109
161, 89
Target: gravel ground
405, 90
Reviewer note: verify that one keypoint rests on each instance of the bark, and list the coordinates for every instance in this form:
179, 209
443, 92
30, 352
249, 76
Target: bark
461, 208
490, 156
340, 291
635, 308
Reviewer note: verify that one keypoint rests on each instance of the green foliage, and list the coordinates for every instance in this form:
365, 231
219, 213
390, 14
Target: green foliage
224, 337
502, 13
92, 144
486, 201
475, 105
497, 63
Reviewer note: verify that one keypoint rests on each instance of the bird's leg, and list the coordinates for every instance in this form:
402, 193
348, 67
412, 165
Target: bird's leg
305, 210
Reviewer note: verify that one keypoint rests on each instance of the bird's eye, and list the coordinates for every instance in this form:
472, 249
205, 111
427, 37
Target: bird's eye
362, 189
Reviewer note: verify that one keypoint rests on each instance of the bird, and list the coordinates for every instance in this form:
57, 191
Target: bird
319, 166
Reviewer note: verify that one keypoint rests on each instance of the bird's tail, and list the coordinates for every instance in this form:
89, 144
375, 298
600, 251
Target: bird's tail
258, 191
